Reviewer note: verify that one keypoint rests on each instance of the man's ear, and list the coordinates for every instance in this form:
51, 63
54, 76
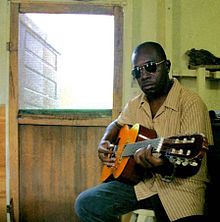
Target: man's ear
168, 64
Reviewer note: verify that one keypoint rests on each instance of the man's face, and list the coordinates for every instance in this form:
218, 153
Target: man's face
152, 82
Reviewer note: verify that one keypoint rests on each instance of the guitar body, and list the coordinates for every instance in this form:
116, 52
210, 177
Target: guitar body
126, 169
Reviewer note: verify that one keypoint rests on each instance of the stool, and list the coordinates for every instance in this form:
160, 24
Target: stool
142, 215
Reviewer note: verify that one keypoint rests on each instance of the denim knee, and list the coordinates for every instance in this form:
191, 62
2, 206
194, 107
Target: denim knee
80, 205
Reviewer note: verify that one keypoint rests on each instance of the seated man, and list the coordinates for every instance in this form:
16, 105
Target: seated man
170, 109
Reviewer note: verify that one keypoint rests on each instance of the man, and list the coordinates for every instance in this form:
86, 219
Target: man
170, 109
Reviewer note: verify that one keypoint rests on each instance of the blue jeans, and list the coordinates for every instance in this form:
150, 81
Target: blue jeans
108, 201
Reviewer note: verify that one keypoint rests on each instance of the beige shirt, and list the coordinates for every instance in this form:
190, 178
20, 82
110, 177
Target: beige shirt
183, 112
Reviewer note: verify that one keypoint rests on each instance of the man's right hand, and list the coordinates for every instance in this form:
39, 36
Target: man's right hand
106, 153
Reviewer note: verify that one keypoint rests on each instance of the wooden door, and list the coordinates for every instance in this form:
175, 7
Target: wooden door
53, 155
56, 164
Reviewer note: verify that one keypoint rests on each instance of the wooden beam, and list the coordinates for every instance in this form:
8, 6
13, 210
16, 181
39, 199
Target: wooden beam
13, 101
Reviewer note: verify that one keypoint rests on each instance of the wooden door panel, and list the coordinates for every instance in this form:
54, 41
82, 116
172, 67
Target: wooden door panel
56, 164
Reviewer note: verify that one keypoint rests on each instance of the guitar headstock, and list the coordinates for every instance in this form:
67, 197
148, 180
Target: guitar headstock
185, 149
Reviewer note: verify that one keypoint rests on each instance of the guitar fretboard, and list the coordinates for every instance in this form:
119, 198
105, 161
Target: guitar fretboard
131, 148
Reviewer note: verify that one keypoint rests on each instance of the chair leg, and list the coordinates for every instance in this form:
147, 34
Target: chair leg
143, 215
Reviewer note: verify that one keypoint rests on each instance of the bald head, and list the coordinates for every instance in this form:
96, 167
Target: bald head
152, 48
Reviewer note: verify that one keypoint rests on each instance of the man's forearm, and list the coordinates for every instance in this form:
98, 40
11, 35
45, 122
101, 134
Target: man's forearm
111, 132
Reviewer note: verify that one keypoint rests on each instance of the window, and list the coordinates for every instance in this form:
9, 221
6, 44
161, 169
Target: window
68, 60
68, 65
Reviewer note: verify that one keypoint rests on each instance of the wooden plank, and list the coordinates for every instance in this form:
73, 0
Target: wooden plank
79, 7
65, 122
118, 80
13, 104
2, 165
65, 118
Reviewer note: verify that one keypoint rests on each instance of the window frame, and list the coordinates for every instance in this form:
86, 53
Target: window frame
80, 8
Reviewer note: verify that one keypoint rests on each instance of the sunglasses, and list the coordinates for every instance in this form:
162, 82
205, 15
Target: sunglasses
148, 66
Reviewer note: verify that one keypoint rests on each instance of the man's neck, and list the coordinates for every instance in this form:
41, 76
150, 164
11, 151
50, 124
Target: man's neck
156, 104
157, 101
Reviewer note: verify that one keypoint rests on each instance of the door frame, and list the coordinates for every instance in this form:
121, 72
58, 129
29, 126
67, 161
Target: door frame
74, 119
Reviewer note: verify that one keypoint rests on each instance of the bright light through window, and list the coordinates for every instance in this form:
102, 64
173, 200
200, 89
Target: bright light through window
85, 46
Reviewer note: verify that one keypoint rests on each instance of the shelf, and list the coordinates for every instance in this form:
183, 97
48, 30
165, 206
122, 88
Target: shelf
211, 75
189, 73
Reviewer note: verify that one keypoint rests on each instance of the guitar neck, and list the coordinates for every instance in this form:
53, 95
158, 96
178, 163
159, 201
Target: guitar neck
131, 148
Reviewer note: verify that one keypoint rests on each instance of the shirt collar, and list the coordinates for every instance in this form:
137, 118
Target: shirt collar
172, 99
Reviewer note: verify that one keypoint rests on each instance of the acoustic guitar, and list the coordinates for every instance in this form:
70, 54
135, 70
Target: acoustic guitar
182, 150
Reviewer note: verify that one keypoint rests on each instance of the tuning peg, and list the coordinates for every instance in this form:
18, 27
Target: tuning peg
185, 140
188, 152
177, 140
185, 162
180, 151
173, 150
193, 139
193, 163
178, 161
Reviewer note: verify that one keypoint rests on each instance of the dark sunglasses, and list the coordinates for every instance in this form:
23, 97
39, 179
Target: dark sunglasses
148, 66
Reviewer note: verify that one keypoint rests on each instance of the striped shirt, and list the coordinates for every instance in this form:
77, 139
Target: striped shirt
183, 112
